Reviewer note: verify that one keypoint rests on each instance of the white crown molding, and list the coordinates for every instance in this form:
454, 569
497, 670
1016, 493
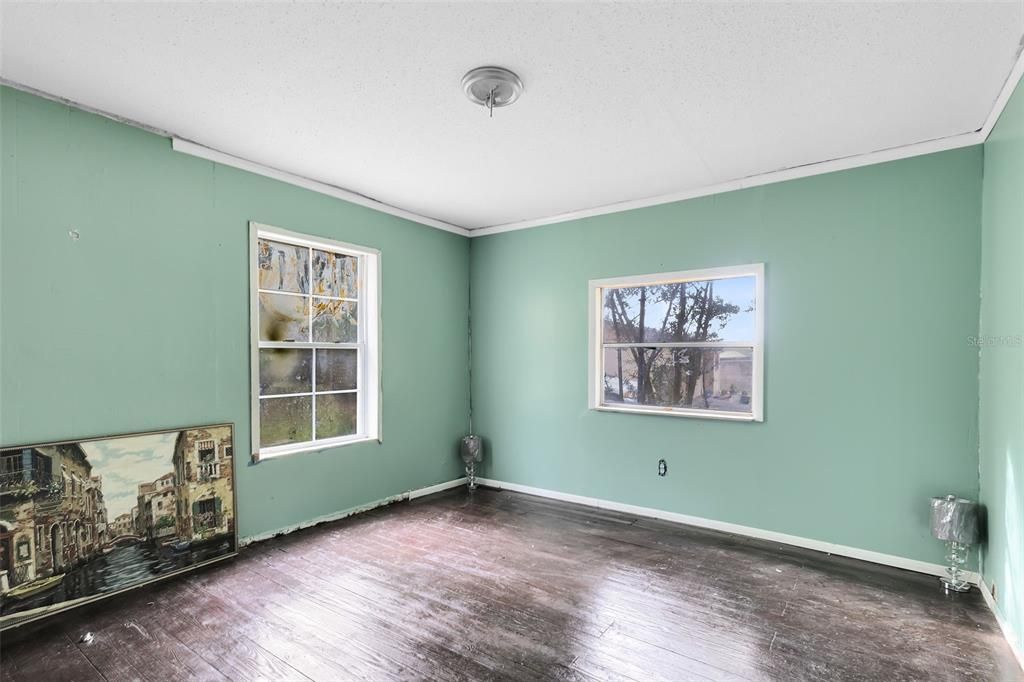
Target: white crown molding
194, 149
351, 511
42, 94
819, 168
736, 529
1004, 95
1008, 633
811, 169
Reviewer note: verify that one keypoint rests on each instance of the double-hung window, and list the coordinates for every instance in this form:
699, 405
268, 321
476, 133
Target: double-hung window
315, 343
680, 343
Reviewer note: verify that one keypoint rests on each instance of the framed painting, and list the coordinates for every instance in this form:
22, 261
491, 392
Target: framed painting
81, 520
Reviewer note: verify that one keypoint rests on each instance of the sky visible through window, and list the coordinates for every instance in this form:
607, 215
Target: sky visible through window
739, 327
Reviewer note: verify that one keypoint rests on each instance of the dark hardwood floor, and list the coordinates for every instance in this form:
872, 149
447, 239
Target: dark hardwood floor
507, 586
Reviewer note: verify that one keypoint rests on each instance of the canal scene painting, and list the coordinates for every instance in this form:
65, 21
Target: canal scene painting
84, 519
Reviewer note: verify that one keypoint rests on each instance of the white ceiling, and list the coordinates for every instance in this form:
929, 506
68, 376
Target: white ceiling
623, 101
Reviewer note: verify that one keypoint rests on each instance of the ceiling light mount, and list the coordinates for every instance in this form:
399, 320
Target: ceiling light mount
492, 86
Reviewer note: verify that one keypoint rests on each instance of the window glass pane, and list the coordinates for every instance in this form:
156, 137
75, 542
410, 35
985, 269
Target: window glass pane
284, 318
334, 321
284, 370
335, 274
283, 267
335, 415
734, 299
285, 420
336, 369
717, 379
708, 310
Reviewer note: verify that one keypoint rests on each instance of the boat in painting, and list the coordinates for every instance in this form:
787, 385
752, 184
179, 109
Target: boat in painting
85, 519
34, 588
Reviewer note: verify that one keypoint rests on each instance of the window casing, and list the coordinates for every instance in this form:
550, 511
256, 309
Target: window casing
687, 344
315, 343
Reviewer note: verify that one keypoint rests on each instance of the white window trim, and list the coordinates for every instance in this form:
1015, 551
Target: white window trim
595, 319
368, 415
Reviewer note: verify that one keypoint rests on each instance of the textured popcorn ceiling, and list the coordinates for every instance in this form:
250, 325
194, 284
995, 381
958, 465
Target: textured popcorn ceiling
622, 101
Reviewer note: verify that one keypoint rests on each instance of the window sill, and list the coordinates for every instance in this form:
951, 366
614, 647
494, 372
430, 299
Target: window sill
680, 412
285, 450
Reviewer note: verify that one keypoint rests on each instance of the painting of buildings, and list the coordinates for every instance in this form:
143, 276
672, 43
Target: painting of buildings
84, 519
202, 471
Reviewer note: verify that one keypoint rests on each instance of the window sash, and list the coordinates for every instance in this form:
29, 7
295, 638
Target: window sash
597, 346
305, 394
300, 345
367, 385
691, 409
312, 295
317, 345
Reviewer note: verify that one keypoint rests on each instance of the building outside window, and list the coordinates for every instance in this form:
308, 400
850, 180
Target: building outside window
680, 343
315, 345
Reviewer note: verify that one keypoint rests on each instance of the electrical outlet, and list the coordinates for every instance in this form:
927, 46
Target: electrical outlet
662, 467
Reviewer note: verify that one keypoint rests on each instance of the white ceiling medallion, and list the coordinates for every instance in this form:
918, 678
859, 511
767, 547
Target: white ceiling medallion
492, 86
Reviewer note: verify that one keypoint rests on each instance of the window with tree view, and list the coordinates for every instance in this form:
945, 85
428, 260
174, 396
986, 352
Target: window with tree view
684, 343
314, 363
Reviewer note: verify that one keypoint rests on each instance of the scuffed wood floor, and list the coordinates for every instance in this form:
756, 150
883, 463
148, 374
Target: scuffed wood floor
507, 586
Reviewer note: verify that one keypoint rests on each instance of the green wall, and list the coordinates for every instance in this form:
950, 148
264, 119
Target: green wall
143, 322
871, 386
1002, 363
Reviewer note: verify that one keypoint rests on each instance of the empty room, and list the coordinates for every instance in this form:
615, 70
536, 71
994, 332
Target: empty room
512, 341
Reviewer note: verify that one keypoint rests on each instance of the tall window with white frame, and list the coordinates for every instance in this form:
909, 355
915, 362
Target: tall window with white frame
679, 343
315, 345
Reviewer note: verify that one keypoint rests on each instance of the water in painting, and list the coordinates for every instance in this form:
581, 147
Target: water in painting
85, 519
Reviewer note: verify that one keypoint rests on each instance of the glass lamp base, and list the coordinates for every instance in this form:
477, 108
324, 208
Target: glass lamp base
956, 556
949, 586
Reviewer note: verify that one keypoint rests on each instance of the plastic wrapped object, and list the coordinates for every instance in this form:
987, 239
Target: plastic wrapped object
471, 449
955, 519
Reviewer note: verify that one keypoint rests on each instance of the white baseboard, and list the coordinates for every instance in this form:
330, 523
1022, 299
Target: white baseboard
747, 531
431, 489
1008, 633
351, 511
650, 512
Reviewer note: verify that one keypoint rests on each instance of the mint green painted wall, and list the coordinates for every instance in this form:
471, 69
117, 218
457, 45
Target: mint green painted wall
143, 322
871, 393
1002, 363
871, 385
